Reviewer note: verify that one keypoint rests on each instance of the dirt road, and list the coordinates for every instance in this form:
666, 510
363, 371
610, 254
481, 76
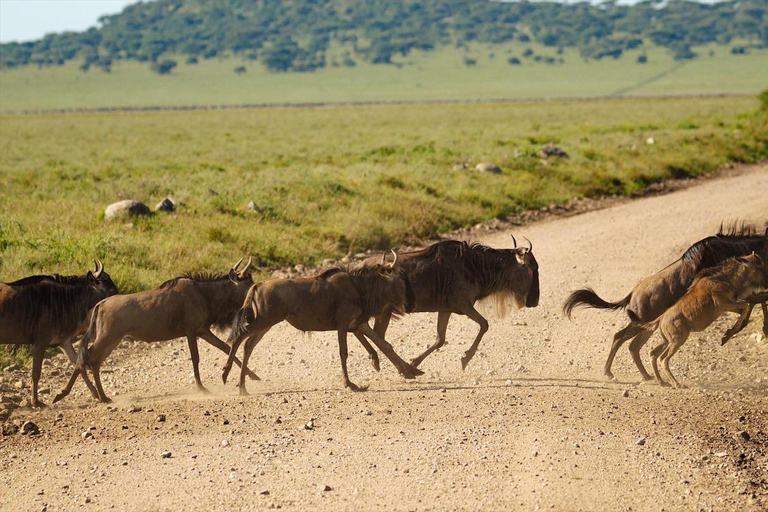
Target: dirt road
531, 424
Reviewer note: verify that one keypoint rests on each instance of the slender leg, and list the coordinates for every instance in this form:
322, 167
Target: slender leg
765, 318
372, 355
216, 342
381, 324
483, 323
343, 357
192, 342
634, 349
442, 326
38, 351
406, 370
97, 379
740, 324
629, 332
69, 351
232, 357
655, 353
249, 346
666, 356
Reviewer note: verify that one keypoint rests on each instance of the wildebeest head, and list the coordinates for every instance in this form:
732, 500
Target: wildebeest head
101, 280
240, 277
528, 269
753, 273
398, 286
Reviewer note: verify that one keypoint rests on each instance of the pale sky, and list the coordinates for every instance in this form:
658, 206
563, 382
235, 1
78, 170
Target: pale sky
26, 20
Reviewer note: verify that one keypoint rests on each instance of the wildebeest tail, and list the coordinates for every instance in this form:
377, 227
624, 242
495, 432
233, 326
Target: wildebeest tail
588, 297
244, 316
82, 353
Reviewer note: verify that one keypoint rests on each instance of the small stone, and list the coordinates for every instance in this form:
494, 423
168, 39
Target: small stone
327, 488
87, 434
550, 150
134, 408
650, 141
744, 435
640, 442
508, 382
166, 205
19, 384
225, 421
461, 166
310, 425
488, 167
160, 418
367, 412
126, 208
265, 492
30, 428
165, 455
224, 443
625, 393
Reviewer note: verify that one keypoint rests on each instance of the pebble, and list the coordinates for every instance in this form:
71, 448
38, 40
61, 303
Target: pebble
310, 425
327, 488
625, 393
265, 492
744, 435
224, 443
160, 418
640, 442
30, 428
133, 408
87, 434
165, 455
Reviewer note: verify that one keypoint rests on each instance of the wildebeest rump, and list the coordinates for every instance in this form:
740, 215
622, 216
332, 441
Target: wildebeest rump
333, 301
451, 276
45, 311
656, 293
715, 291
185, 306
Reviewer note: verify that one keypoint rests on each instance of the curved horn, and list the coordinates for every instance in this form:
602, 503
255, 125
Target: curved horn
99, 268
394, 262
513, 240
383, 258
245, 269
237, 264
530, 245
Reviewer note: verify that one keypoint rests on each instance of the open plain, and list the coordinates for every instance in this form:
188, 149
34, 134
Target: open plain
531, 423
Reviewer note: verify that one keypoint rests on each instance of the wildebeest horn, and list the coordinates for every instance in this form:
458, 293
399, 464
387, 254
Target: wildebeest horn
98, 268
242, 272
395, 260
383, 258
513, 240
237, 264
530, 245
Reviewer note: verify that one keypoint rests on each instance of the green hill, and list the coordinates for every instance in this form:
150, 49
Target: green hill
184, 52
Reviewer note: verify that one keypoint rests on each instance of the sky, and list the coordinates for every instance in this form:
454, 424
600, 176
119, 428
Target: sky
27, 20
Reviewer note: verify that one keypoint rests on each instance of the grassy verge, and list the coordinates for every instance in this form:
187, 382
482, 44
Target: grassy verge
328, 181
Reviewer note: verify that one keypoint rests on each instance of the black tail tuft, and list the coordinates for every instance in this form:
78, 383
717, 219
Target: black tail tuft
243, 318
82, 353
588, 297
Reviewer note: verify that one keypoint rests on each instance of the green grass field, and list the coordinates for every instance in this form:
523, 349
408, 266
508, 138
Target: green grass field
327, 181
440, 74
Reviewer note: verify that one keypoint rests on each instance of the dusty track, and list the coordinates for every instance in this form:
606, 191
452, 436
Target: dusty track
531, 423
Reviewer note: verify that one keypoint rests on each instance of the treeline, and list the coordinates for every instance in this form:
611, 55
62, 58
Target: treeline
296, 35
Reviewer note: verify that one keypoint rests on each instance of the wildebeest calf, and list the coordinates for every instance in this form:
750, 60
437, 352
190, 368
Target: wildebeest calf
717, 290
186, 306
333, 301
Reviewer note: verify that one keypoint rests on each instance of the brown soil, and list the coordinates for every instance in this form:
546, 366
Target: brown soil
532, 423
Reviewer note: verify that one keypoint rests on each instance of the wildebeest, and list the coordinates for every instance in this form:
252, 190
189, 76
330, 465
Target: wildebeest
656, 293
185, 306
332, 301
45, 311
715, 291
449, 277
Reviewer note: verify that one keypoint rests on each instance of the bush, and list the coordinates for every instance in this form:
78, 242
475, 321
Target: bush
642, 59
240, 70
763, 99
163, 67
514, 61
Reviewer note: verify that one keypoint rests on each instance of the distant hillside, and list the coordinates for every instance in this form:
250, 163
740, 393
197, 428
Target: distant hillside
306, 35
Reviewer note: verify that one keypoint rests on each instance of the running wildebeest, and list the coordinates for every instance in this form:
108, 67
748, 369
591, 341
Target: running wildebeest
186, 306
449, 277
332, 301
45, 311
715, 291
656, 293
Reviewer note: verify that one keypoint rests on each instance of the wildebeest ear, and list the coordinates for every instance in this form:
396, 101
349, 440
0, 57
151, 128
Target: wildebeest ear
233, 275
519, 257
91, 277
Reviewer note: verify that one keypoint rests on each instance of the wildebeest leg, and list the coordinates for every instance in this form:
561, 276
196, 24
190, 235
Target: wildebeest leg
381, 324
629, 332
666, 356
38, 351
69, 351
740, 324
192, 342
765, 318
343, 356
405, 369
372, 355
655, 353
97, 379
483, 323
216, 342
442, 326
634, 350
249, 346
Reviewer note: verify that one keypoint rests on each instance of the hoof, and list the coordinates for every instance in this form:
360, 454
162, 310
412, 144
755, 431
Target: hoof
416, 362
243, 391
647, 378
202, 389
664, 384
106, 400
375, 363
354, 387
38, 405
58, 397
465, 361
610, 376
224, 375
253, 376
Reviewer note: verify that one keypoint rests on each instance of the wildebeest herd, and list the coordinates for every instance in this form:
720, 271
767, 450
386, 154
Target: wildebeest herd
721, 273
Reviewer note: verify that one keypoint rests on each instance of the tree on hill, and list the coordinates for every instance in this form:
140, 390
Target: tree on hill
296, 35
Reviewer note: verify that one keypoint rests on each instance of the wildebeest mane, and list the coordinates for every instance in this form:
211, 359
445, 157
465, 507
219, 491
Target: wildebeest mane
374, 303
328, 273
198, 277
56, 278
737, 239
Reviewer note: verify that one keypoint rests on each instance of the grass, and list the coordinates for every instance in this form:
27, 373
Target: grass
440, 74
327, 181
